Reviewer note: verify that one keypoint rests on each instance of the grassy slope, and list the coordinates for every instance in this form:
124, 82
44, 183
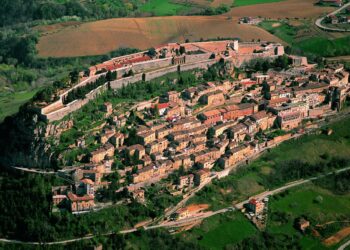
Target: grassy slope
10, 103
300, 202
162, 7
319, 45
282, 30
326, 47
221, 230
238, 3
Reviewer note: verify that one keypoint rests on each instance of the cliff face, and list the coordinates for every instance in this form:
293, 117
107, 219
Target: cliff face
22, 141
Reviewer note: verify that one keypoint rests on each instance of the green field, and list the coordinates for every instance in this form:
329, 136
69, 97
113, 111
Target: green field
221, 230
162, 7
301, 202
238, 3
10, 102
305, 39
280, 29
325, 47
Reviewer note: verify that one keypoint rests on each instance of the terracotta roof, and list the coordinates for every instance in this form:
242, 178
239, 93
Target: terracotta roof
212, 113
74, 197
87, 181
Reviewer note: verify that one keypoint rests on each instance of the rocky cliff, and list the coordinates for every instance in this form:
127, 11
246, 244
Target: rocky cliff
22, 140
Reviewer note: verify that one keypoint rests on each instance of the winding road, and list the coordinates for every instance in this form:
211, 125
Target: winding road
192, 219
346, 244
321, 26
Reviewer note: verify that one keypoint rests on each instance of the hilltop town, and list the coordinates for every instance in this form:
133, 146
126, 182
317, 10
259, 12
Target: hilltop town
184, 139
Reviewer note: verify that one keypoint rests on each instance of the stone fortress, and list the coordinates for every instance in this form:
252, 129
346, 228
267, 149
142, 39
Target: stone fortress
173, 57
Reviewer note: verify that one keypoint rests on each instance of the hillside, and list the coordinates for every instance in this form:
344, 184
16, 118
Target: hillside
100, 37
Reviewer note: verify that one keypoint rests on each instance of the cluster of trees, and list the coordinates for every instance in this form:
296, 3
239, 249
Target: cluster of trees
26, 211
337, 183
296, 169
267, 240
17, 46
281, 62
210, 11
22, 11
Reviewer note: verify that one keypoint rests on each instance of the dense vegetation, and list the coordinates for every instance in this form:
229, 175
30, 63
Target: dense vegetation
20, 11
27, 215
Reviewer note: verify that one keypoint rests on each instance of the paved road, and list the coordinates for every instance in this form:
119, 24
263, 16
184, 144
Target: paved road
346, 244
321, 26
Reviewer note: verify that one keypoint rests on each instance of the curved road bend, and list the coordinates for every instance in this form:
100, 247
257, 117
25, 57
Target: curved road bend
346, 244
321, 26
190, 219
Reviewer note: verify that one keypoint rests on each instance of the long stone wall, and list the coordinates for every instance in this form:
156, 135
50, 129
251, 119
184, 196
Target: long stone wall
77, 104
197, 57
125, 81
153, 64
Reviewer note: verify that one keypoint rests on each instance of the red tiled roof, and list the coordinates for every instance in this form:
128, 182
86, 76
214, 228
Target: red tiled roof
74, 197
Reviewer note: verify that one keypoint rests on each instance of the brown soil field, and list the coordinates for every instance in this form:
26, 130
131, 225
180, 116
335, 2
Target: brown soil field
337, 237
284, 9
103, 36
100, 37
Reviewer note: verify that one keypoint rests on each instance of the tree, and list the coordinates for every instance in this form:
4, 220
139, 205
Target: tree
210, 133
182, 50
152, 52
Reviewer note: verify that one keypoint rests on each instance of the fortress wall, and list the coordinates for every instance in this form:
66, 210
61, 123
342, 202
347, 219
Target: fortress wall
77, 104
153, 64
53, 106
197, 57
125, 81
197, 65
161, 72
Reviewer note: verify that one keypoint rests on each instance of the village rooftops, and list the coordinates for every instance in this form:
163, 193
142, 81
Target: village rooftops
136, 147
237, 149
210, 113
238, 127
259, 115
104, 148
311, 86
87, 181
74, 197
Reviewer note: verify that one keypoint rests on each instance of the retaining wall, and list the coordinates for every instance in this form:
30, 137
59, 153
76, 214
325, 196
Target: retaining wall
77, 104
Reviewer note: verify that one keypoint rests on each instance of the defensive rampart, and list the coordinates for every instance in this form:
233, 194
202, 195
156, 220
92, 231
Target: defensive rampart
57, 110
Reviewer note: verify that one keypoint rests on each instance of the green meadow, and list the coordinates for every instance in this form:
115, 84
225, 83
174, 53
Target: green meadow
162, 7
237, 3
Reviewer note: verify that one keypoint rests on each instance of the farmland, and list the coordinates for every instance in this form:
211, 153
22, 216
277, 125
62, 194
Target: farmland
284, 9
102, 36
106, 35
